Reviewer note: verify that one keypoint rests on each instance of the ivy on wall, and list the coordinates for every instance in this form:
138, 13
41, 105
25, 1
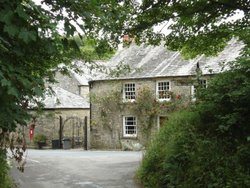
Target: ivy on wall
108, 104
146, 107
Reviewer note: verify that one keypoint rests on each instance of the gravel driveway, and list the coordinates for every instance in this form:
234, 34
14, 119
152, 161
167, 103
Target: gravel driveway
78, 169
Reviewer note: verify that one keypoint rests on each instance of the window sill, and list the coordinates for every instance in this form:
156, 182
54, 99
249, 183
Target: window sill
128, 101
164, 100
129, 137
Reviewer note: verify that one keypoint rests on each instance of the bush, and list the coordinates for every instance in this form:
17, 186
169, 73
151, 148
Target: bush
209, 146
5, 181
182, 156
40, 140
169, 155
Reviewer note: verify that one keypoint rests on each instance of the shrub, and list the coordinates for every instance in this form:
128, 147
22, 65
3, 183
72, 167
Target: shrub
4, 178
40, 140
209, 146
169, 155
182, 156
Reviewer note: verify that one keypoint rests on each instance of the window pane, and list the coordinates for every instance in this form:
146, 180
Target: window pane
130, 126
203, 83
163, 90
129, 91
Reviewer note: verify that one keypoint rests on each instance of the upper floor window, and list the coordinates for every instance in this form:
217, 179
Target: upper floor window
163, 90
129, 91
201, 84
129, 126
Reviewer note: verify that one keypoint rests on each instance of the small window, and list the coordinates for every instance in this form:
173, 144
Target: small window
202, 84
129, 126
129, 91
163, 90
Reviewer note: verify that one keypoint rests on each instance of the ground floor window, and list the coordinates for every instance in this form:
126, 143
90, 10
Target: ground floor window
129, 126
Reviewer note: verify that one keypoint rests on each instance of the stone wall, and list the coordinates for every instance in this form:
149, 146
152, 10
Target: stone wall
110, 135
48, 123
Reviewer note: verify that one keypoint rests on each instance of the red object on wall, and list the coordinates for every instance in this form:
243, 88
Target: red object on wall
178, 97
31, 131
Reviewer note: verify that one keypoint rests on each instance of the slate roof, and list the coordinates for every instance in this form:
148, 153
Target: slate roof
89, 71
156, 61
145, 62
62, 99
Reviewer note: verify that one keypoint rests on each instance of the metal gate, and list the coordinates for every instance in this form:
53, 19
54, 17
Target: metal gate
73, 131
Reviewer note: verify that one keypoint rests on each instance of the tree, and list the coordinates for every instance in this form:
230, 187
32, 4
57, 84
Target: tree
208, 145
198, 27
195, 27
31, 47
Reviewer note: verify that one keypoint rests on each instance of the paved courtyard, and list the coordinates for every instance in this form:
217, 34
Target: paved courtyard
78, 169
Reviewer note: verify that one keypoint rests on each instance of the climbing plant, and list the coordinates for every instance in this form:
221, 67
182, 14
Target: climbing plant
109, 103
146, 107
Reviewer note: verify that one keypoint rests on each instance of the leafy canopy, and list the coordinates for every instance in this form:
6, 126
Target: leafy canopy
31, 47
194, 27
197, 26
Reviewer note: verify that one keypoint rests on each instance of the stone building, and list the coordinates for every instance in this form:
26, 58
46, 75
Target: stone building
121, 118
65, 111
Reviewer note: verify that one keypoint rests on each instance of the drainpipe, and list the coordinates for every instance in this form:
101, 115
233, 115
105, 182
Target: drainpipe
60, 131
90, 111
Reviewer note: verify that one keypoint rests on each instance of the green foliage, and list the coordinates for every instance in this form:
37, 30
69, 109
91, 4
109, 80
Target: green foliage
94, 49
225, 104
168, 157
148, 111
28, 58
194, 27
208, 146
108, 103
31, 48
5, 181
183, 156
39, 138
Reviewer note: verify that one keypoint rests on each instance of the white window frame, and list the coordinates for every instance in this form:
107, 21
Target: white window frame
128, 89
125, 127
157, 90
203, 84
193, 91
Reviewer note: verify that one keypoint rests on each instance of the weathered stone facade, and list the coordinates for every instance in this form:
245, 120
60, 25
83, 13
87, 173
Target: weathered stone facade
70, 102
114, 122
111, 134
165, 73
48, 123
